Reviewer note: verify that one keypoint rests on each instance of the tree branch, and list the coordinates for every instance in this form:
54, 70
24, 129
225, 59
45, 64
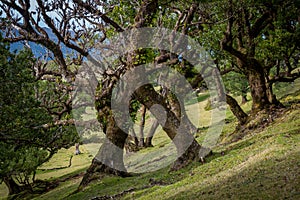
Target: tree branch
260, 24
106, 19
49, 23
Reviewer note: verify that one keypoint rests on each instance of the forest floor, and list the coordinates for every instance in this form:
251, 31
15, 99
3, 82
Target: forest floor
264, 164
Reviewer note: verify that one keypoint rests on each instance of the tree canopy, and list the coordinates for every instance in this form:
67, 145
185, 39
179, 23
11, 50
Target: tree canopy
26, 141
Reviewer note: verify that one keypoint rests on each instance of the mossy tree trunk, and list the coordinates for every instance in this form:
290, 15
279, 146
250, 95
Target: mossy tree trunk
242, 46
109, 159
257, 83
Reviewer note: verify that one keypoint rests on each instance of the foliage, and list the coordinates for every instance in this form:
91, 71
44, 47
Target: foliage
25, 143
236, 83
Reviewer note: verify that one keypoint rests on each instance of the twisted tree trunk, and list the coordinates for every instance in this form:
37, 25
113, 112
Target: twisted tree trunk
109, 159
188, 149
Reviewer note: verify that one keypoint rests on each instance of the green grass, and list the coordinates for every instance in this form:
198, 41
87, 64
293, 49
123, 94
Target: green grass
61, 159
262, 165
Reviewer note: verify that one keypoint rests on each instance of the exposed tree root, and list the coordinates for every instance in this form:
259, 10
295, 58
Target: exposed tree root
194, 153
98, 170
257, 122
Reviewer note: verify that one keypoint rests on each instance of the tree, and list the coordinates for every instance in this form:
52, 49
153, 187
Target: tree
147, 96
244, 38
28, 136
255, 39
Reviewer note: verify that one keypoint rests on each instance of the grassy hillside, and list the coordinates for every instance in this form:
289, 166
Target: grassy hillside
264, 164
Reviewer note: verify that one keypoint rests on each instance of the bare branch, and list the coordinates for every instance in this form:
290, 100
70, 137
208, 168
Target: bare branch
106, 19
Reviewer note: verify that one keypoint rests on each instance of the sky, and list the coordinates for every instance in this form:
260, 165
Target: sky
34, 5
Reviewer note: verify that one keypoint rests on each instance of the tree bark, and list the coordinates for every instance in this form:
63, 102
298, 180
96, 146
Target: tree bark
174, 104
132, 142
181, 113
13, 187
150, 135
77, 151
236, 109
142, 125
244, 98
246, 61
134, 137
109, 159
257, 83
271, 96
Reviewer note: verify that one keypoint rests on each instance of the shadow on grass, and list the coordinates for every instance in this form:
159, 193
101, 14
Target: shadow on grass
200, 98
275, 178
